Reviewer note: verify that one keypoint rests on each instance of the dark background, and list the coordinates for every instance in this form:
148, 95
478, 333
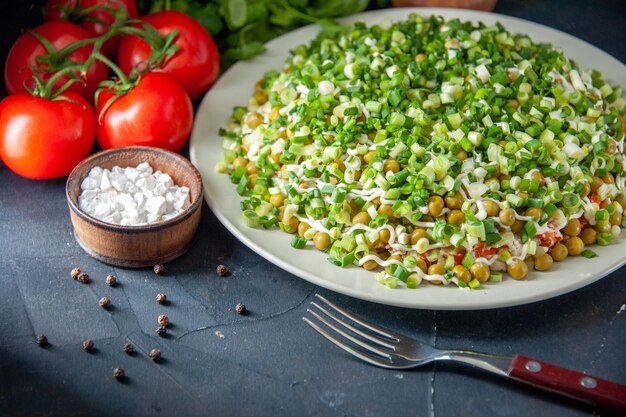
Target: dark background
266, 363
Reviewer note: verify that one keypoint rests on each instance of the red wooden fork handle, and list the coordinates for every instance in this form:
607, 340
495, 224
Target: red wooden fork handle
597, 392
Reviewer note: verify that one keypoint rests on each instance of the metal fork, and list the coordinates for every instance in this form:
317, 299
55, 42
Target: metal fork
382, 347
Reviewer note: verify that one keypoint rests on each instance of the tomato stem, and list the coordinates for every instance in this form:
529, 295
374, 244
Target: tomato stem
45, 89
121, 18
58, 63
50, 48
113, 66
162, 47
97, 42
78, 14
116, 88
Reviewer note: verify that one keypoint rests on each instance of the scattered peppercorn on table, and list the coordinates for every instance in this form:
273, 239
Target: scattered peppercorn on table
219, 331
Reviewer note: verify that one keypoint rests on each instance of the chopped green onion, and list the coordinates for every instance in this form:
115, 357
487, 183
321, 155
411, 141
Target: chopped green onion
495, 276
492, 238
449, 262
298, 242
250, 218
570, 201
530, 230
338, 195
468, 260
391, 282
515, 200
474, 284
587, 253
413, 280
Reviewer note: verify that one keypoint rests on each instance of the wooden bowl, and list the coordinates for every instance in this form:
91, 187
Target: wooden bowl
144, 245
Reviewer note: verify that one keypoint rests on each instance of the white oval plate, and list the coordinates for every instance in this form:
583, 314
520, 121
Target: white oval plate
236, 86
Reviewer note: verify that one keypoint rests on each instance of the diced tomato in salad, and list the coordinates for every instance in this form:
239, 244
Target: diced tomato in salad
549, 239
481, 250
594, 198
424, 257
458, 255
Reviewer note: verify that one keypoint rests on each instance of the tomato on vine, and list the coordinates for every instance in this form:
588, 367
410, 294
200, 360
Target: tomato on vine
154, 111
43, 50
95, 16
42, 138
185, 50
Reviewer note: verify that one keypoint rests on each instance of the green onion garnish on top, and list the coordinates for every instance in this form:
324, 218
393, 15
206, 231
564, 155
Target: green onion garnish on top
430, 149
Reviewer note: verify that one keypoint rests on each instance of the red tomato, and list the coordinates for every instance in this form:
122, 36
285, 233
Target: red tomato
97, 22
481, 249
196, 63
549, 239
41, 138
24, 53
157, 112
457, 253
595, 198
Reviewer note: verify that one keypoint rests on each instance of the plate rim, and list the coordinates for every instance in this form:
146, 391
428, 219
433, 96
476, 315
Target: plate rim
236, 229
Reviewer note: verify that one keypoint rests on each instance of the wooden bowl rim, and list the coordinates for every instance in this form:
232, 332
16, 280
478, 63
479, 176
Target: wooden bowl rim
92, 160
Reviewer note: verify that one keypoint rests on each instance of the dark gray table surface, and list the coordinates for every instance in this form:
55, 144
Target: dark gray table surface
266, 363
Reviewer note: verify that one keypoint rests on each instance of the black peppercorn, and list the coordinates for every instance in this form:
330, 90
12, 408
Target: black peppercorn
119, 374
111, 281
42, 340
88, 345
222, 270
128, 348
161, 331
75, 273
163, 320
159, 269
105, 302
161, 298
83, 277
155, 355
240, 308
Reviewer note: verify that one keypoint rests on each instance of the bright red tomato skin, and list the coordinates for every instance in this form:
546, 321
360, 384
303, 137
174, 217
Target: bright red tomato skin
157, 112
98, 21
44, 139
196, 63
25, 50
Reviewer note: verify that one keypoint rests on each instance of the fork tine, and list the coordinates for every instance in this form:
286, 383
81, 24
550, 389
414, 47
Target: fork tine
354, 329
349, 337
351, 350
376, 329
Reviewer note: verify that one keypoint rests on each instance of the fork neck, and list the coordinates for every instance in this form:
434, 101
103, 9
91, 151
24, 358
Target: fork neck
494, 364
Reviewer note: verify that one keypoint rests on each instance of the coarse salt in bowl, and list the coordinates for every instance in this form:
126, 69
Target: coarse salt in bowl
131, 196
135, 206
